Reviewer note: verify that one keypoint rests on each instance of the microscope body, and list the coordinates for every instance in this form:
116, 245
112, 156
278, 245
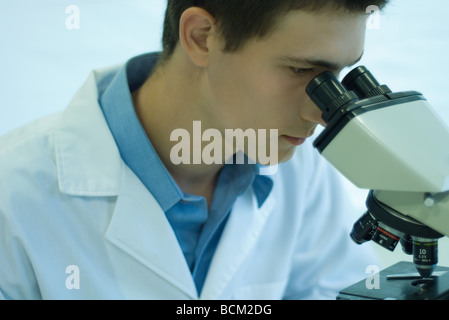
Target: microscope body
396, 146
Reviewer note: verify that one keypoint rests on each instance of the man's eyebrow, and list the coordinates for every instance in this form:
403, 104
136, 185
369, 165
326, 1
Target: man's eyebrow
320, 63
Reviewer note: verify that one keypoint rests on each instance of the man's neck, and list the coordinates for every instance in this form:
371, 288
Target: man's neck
163, 104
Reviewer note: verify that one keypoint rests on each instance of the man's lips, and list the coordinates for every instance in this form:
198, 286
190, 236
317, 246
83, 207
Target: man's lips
294, 141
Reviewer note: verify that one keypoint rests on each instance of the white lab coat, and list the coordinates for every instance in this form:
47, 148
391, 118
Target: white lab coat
76, 223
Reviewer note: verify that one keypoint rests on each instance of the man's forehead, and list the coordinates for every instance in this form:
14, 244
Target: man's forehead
325, 39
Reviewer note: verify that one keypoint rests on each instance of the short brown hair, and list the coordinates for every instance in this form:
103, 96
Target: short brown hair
241, 20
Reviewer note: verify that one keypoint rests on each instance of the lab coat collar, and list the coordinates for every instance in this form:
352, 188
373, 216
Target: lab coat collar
87, 158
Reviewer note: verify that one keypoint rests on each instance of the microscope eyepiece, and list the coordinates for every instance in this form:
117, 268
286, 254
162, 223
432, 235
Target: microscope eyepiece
362, 82
329, 94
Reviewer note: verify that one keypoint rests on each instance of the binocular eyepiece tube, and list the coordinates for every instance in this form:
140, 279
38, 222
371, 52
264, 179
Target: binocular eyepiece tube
331, 95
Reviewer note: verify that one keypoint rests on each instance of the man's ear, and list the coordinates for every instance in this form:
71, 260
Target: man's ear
195, 29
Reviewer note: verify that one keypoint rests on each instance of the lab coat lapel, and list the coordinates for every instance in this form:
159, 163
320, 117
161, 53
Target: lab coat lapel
89, 165
139, 227
242, 230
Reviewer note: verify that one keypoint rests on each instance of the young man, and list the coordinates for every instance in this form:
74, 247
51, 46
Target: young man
95, 202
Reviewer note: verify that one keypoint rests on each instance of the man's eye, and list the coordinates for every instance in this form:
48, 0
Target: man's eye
300, 71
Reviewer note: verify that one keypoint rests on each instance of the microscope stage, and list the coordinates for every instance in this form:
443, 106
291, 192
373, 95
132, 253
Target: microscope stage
397, 283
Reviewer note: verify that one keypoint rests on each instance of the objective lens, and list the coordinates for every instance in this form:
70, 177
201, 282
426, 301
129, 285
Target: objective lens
364, 228
363, 83
425, 255
387, 237
329, 95
407, 244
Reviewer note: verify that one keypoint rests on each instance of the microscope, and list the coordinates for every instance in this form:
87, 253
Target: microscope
394, 145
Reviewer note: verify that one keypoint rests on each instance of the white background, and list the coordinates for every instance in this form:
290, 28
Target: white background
43, 63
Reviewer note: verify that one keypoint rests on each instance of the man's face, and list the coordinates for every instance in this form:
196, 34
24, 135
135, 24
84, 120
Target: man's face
262, 86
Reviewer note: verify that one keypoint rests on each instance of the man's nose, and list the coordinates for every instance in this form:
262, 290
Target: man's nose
312, 113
